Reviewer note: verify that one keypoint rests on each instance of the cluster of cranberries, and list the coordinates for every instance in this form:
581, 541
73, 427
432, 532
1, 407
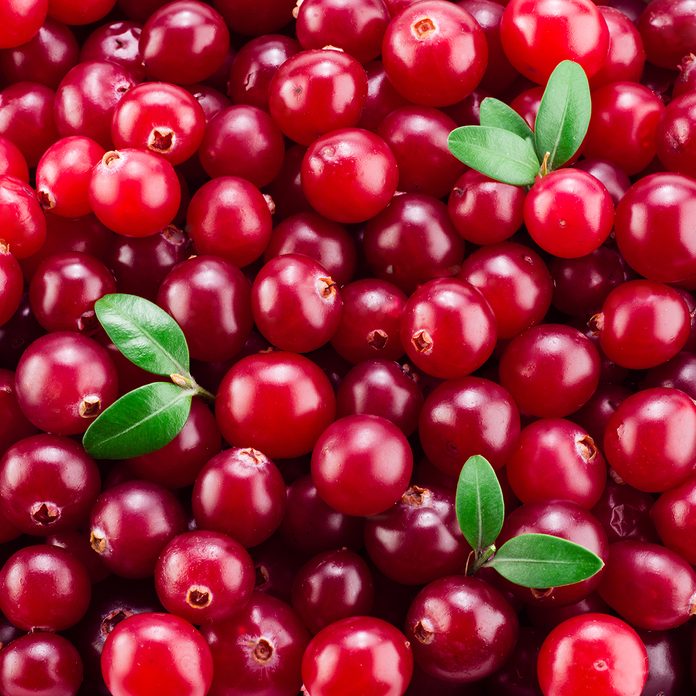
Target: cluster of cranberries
370, 315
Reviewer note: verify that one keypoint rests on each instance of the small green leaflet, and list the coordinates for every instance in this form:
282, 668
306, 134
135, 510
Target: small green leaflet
141, 421
479, 503
564, 114
541, 561
144, 333
495, 152
498, 114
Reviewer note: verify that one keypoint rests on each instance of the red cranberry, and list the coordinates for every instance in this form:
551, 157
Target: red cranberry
72, 12
20, 21
12, 162
256, 17
11, 284
382, 98
686, 81
276, 566
674, 515
665, 27
22, 221
624, 512
211, 100
675, 134
116, 42
13, 425
614, 179
147, 653
76, 543
668, 667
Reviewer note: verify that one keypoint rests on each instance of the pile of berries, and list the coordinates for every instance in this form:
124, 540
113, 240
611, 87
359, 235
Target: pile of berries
369, 314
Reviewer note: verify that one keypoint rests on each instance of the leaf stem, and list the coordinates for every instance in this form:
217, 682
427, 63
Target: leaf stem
186, 381
482, 557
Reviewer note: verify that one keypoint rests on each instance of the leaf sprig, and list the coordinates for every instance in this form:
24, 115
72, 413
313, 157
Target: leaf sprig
506, 149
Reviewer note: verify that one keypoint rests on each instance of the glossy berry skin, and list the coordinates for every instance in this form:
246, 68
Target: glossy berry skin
624, 512
568, 213
551, 370
12, 162
642, 324
44, 587
468, 416
485, 211
332, 586
116, 42
557, 460
152, 651
41, 664
14, 426
539, 34
160, 117
315, 92
47, 484
258, 651
434, 54
626, 56
131, 523
650, 440
209, 298
64, 381
75, 13
184, 42
448, 328
674, 515
382, 98
240, 474
224, 204
652, 227
11, 284
667, 33
675, 135
204, 576
348, 465
20, 21
592, 653
614, 179
349, 175
421, 524
444, 626
637, 571
291, 387
296, 305
366, 653
21, 219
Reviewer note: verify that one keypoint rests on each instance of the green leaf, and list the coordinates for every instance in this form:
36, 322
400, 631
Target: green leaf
141, 421
542, 561
144, 333
564, 114
495, 152
479, 503
498, 114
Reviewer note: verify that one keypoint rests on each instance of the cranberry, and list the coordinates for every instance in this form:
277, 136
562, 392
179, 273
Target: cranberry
12, 162
209, 298
255, 17
289, 386
434, 54
359, 654
648, 585
276, 566
517, 677
76, 543
22, 221
130, 525
625, 513
668, 664
686, 81
20, 21
382, 98
75, 12
211, 100
44, 587
116, 42
64, 380
11, 284
674, 515
591, 652
614, 179
667, 33
42, 664
675, 133
650, 441
444, 626
13, 425
258, 651
151, 652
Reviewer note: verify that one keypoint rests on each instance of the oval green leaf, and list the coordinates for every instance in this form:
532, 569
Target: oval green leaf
495, 152
498, 114
140, 422
479, 503
564, 114
541, 561
144, 333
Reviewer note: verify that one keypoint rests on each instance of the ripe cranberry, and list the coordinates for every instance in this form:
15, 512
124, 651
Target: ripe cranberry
13, 425
289, 386
276, 566
444, 626
47, 484
557, 460
130, 525
382, 98
116, 42
668, 663
551, 370
11, 284
12, 162
537, 35
75, 12
286, 189
636, 571
568, 213
20, 21
349, 175
626, 56
547, 617
258, 651
650, 441
44, 587
256, 17
517, 677
434, 54
22, 222
42, 664
675, 133
666, 30
686, 81
243, 141
678, 373
63, 381
86, 99
485, 211
347, 465
148, 652
209, 298
614, 179
76, 543
674, 515
360, 653
591, 652
211, 100
624, 512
